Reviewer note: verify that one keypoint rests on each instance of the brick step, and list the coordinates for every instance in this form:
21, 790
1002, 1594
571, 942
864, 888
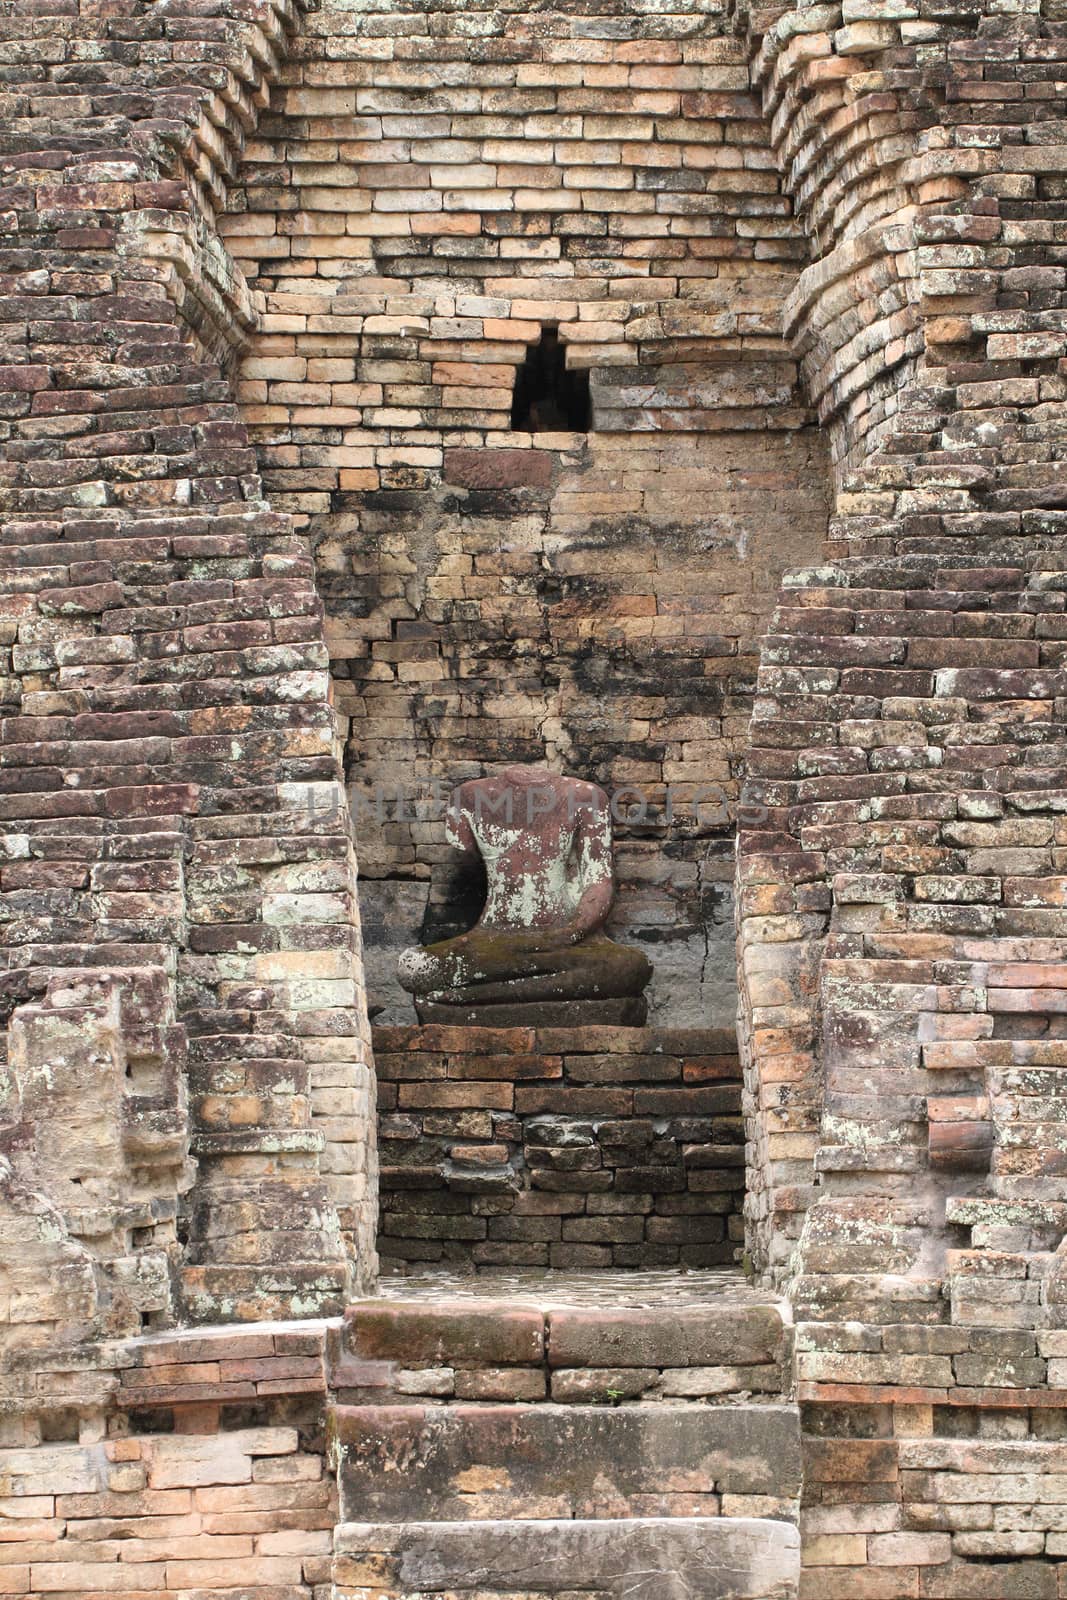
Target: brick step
470, 1463
571, 1339
644, 1558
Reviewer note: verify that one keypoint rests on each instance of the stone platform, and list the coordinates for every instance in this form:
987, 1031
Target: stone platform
565, 1148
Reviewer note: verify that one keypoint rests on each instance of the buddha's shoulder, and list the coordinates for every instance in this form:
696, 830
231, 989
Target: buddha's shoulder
589, 791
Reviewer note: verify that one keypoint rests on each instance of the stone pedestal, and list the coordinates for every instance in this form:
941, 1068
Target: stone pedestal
627, 1012
563, 1148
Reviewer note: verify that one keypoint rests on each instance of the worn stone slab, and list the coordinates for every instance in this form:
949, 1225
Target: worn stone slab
692, 1336
649, 1558
476, 1333
498, 469
468, 1462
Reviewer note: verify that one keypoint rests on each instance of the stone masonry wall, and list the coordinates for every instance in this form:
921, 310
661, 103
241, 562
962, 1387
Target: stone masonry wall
432, 187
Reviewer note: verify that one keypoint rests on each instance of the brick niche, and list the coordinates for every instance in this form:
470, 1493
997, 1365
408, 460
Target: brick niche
495, 595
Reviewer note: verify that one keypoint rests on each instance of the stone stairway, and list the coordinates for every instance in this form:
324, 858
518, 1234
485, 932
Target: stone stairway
614, 1436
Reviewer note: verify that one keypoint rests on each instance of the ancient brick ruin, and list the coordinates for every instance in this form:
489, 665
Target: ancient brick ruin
673, 393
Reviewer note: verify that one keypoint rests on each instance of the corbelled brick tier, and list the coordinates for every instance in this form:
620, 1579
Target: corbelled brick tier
561, 1147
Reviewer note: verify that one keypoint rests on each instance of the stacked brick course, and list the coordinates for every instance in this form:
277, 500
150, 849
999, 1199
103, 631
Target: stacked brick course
190, 1482
579, 1339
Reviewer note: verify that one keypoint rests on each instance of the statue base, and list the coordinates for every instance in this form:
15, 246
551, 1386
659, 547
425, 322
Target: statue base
630, 1011
563, 1149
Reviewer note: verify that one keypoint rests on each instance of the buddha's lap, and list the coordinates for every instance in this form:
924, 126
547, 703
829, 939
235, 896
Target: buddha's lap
464, 962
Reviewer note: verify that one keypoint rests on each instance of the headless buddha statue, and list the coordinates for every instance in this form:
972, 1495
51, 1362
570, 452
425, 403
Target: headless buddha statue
536, 956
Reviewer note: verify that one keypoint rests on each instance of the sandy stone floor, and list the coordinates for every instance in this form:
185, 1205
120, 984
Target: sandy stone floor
669, 1287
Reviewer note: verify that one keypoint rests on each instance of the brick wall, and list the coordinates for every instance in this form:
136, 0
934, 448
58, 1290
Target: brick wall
921, 1501
902, 896
902, 900
166, 731
168, 1513
607, 621
565, 1147
178, 1465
